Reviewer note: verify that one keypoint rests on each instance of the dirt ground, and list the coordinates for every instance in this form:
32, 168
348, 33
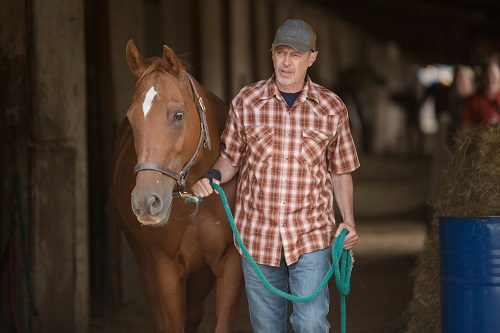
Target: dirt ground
391, 215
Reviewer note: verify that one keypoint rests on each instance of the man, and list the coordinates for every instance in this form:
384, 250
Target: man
290, 141
464, 86
483, 108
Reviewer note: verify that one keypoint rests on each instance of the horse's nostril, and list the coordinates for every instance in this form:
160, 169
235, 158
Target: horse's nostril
155, 204
152, 205
135, 205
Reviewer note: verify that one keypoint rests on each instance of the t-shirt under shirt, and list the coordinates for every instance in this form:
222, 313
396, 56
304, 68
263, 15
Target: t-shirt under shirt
290, 97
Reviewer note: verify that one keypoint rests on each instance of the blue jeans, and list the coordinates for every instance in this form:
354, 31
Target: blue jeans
271, 313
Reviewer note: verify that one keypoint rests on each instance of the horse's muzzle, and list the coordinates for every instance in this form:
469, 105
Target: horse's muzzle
151, 208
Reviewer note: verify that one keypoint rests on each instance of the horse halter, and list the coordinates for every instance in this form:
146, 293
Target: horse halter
204, 141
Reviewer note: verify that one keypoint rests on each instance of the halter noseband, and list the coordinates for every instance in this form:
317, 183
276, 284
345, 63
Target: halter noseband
204, 141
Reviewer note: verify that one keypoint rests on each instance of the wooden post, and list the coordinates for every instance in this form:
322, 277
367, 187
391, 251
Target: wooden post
59, 165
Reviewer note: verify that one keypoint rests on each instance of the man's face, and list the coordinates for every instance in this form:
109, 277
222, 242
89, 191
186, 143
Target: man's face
464, 84
493, 77
290, 67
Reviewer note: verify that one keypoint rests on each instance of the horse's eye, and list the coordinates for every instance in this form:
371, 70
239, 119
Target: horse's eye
179, 115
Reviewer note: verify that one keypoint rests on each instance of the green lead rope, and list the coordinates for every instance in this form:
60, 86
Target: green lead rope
341, 266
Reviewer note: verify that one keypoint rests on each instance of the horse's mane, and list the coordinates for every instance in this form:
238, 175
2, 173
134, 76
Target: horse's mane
158, 64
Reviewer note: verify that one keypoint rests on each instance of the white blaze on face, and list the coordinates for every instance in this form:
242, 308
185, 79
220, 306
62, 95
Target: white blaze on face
148, 101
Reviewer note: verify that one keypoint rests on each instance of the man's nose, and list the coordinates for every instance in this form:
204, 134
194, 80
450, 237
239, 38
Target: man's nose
287, 59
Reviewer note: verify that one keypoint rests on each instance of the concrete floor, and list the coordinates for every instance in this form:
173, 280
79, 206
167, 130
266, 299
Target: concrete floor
391, 215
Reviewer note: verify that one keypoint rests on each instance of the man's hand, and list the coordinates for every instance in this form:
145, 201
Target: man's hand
352, 237
202, 187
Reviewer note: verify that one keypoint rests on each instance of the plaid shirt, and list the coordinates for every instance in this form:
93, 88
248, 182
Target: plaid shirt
285, 196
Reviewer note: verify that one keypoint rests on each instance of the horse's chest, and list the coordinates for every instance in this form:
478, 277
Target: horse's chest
176, 242
189, 246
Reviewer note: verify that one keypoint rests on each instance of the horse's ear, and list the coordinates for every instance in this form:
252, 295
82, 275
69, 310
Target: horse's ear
172, 61
135, 61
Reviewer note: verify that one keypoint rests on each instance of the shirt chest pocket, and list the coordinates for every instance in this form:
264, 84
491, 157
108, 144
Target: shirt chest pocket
260, 141
314, 146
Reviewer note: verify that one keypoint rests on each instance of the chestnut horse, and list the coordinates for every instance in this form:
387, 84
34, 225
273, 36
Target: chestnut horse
169, 138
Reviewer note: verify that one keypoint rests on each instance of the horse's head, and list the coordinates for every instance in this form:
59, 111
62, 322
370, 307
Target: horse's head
165, 121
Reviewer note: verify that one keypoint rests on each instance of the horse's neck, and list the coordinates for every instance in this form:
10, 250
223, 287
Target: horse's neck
216, 113
216, 109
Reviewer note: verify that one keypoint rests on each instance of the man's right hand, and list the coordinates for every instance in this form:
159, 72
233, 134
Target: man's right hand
203, 187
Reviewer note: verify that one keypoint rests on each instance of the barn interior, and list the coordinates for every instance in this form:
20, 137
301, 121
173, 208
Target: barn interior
66, 87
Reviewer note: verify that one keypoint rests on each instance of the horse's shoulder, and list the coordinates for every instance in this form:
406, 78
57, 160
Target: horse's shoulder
214, 234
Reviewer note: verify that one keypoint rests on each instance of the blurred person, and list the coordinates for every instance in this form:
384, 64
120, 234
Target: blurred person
462, 88
483, 107
289, 140
407, 100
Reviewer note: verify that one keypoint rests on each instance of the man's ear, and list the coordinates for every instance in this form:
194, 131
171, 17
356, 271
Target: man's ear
312, 57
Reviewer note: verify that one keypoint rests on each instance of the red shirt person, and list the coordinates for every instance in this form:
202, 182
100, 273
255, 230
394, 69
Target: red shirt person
483, 108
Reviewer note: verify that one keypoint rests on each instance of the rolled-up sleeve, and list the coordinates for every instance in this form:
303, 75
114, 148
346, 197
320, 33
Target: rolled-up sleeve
233, 141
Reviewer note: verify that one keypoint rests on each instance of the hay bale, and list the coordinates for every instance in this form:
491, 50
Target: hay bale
469, 186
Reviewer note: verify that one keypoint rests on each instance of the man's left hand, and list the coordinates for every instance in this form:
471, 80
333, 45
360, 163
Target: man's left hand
352, 237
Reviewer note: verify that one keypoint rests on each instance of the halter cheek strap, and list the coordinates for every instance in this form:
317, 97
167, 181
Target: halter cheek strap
202, 112
204, 141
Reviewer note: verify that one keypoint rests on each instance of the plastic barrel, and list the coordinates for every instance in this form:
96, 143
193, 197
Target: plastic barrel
470, 274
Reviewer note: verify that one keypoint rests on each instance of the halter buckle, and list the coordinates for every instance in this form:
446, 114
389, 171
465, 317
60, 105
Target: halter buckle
202, 105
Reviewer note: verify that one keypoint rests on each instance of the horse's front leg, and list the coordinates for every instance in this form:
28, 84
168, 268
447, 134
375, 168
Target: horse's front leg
198, 286
229, 288
149, 285
172, 295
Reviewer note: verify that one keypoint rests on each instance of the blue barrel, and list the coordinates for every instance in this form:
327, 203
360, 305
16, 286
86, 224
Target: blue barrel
470, 274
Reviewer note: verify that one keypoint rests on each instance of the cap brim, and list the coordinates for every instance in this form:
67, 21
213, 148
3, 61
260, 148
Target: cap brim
296, 45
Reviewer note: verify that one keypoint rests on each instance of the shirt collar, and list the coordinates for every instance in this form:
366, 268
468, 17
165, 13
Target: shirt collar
308, 92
